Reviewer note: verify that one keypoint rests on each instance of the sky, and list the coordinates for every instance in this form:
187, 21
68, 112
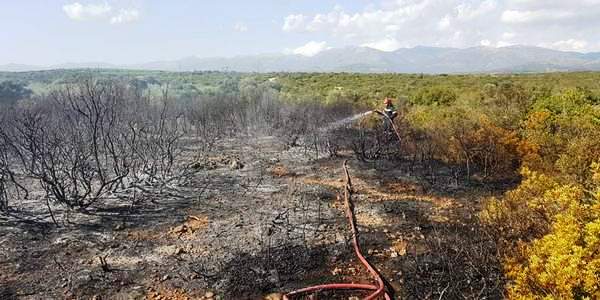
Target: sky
46, 32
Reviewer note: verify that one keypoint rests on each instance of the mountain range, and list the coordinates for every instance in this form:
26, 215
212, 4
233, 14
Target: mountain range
433, 60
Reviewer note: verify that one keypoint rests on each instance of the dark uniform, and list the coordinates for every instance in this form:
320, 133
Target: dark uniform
391, 112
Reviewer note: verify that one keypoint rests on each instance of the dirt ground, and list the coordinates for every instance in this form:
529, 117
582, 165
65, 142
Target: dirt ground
257, 220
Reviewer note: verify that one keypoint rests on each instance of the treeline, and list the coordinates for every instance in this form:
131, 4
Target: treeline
371, 88
182, 84
13, 91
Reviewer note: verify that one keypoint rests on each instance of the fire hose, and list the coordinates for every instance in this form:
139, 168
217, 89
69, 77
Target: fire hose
391, 122
377, 290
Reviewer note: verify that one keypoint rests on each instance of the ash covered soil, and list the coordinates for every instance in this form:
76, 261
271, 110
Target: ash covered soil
256, 220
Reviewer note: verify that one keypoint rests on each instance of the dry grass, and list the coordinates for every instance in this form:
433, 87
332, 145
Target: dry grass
280, 170
167, 294
400, 246
403, 187
333, 183
392, 191
143, 235
189, 227
370, 220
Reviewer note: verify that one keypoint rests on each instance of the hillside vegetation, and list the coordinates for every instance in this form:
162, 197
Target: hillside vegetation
537, 134
542, 130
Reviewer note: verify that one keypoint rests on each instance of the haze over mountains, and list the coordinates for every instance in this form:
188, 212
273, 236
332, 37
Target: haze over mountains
362, 59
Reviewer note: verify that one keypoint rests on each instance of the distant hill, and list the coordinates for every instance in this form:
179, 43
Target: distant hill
367, 60
18, 68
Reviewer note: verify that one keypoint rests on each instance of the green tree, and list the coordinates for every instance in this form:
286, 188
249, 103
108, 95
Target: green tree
436, 95
11, 92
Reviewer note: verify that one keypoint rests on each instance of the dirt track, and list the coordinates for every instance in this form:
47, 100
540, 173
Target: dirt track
255, 219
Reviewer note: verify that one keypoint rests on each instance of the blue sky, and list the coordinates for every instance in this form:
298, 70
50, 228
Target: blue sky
44, 32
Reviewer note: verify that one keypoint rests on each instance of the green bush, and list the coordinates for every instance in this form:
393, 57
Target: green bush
11, 92
436, 95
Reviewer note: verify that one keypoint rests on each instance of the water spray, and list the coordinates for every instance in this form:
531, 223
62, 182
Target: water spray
350, 119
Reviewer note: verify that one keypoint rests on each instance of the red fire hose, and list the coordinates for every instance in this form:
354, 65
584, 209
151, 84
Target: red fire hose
379, 289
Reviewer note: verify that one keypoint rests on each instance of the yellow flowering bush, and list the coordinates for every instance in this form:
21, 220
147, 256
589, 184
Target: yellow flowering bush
524, 213
564, 261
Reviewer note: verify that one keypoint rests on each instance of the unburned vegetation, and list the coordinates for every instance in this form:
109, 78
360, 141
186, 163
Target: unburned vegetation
226, 185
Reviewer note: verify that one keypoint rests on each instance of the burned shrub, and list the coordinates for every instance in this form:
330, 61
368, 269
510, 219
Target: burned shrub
4, 177
87, 139
315, 126
69, 142
458, 261
155, 143
254, 111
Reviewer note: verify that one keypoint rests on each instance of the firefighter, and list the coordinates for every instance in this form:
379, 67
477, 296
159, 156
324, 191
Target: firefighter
390, 112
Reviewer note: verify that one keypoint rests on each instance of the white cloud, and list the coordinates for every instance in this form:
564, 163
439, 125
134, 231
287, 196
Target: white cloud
551, 12
444, 23
569, 45
533, 16
125, 16
83, 12
294, 22
392, 28
388, 24
500, 44
240, 27
508, 35
341, 22
485, 43
466, 11
552, 4
100, 12
311, 48
387, 44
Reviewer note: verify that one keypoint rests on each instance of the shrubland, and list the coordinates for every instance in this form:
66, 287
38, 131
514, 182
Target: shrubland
548, 224
537, 132
540, 131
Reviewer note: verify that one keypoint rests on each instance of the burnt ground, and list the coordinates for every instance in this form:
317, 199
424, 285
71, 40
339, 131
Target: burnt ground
256, 220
